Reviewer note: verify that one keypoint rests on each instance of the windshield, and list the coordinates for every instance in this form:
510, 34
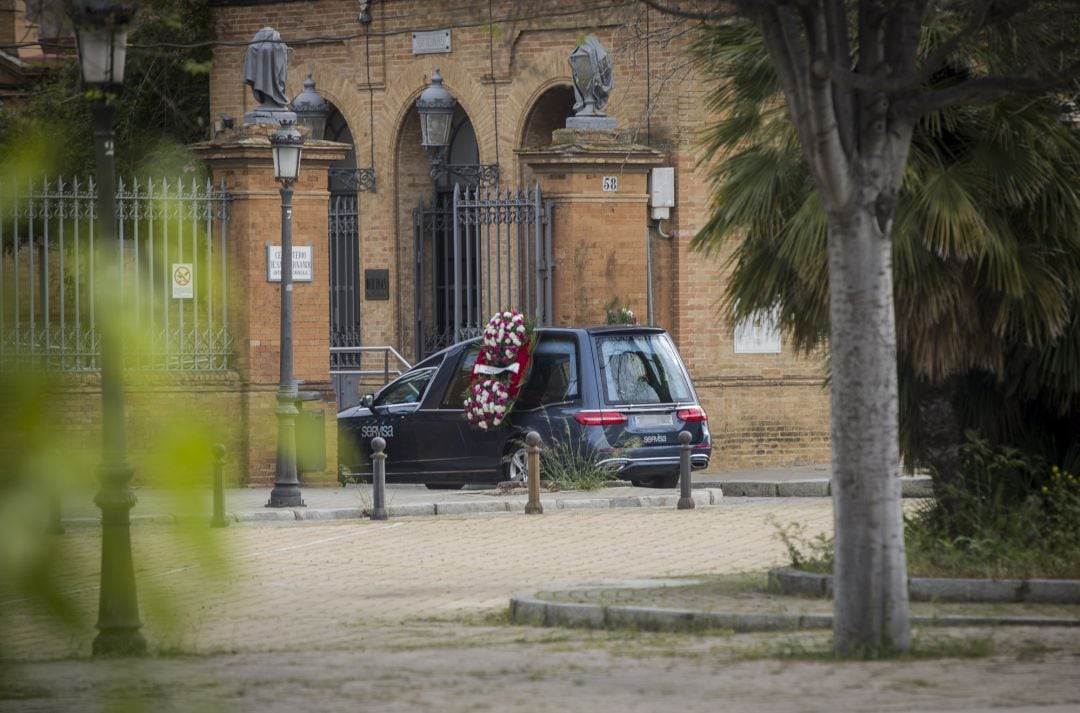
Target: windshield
409, 389
642, 369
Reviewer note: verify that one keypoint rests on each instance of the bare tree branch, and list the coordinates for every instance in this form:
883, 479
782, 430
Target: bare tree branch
984, 89
678, 11
839, 52
937, 58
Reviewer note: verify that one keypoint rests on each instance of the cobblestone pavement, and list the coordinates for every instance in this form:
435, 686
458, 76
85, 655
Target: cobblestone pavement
404, 615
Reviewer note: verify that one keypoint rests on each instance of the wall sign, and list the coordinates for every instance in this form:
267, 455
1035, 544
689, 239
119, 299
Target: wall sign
759, 333
302, 263
376, 284
183, 281
610, 184
433, 42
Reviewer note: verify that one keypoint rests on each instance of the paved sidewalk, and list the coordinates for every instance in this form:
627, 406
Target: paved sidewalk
354, 501
247, 505
409, 615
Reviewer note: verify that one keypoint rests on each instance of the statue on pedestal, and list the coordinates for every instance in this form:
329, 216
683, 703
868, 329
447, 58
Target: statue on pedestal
593, 82
266, 67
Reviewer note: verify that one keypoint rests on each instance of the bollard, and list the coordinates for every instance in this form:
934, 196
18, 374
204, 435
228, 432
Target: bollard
218, 518
378, 478
533, 507
685, 501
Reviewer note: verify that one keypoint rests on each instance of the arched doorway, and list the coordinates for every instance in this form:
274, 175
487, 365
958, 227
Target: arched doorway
477, 248
447, 264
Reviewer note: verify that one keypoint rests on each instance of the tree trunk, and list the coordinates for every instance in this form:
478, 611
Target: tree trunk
870, 607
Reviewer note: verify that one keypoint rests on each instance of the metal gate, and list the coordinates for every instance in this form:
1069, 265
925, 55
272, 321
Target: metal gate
344, 239
171, 282
477, 251
344, 268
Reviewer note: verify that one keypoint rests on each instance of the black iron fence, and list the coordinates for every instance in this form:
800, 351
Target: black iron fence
172, 278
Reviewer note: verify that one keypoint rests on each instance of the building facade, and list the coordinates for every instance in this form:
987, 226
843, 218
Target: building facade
388, 276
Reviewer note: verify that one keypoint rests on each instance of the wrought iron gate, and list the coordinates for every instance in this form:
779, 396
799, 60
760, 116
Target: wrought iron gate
476, 251
172, 277
344, 242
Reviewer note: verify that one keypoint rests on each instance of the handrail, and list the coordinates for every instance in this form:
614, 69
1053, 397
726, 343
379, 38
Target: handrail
386, 370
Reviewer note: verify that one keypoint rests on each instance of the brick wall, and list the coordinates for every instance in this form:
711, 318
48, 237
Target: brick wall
158, 410
241, 159
765, 409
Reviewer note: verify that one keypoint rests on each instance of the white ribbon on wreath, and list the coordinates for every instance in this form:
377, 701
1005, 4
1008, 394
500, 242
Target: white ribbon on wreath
487, 369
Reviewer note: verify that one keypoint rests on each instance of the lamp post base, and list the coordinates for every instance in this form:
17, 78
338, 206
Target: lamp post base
119, 642
285, 496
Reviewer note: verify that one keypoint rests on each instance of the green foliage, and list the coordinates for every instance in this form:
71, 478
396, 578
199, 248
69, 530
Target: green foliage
570, 464
51, 459
164, 105
986, 255
615, 312
1014, 517
813, 554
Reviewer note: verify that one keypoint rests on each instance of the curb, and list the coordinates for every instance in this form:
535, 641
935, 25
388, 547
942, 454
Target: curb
528, 609
910, 487
703, 497
942, 589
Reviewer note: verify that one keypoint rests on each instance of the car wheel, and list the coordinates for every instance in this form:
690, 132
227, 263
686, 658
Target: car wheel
659, 481
515, 466
444, 486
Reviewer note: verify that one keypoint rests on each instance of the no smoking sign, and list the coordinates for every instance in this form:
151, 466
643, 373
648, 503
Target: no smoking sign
183, 281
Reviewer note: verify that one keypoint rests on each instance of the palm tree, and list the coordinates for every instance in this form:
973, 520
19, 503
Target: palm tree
986, 253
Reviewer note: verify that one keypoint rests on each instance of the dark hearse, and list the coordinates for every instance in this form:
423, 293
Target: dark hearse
620, 392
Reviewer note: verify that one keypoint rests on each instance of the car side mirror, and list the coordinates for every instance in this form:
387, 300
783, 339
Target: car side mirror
367, 400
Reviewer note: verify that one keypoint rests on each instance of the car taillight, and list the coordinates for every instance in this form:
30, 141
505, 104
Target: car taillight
599, 418
694, 413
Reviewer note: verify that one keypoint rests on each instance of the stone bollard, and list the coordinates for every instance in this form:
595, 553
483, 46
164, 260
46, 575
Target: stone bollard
218, 518
378, 479
533, 507
685, 501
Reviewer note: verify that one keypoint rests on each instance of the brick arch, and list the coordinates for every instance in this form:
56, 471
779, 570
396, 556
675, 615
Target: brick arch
550, 69
336, 87
474, 98
530, 104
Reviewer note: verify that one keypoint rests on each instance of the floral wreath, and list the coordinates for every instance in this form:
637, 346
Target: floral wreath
500, 369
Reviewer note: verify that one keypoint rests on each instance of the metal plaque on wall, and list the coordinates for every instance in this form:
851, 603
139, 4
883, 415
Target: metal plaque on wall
376, 284
432, 42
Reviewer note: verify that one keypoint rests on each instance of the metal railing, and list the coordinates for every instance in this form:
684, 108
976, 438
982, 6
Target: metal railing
350, 361
172, 283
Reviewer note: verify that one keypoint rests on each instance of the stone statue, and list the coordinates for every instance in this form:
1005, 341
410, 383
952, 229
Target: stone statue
593, 82
266, 68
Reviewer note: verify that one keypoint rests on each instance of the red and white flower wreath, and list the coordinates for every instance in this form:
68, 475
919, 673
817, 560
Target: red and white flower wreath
500, 369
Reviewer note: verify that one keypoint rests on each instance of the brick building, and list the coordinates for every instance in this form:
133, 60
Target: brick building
506, 65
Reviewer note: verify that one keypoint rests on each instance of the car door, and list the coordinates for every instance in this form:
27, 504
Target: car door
455, 452
393, 410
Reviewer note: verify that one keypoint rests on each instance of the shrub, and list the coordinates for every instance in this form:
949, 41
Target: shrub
571, 465
1009, 516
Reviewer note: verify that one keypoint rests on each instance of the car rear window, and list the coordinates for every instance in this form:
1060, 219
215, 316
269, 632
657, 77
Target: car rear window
641, 369
554, 374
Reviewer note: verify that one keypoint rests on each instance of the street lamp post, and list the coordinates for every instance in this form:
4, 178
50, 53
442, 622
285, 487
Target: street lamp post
286, 144
102, 41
